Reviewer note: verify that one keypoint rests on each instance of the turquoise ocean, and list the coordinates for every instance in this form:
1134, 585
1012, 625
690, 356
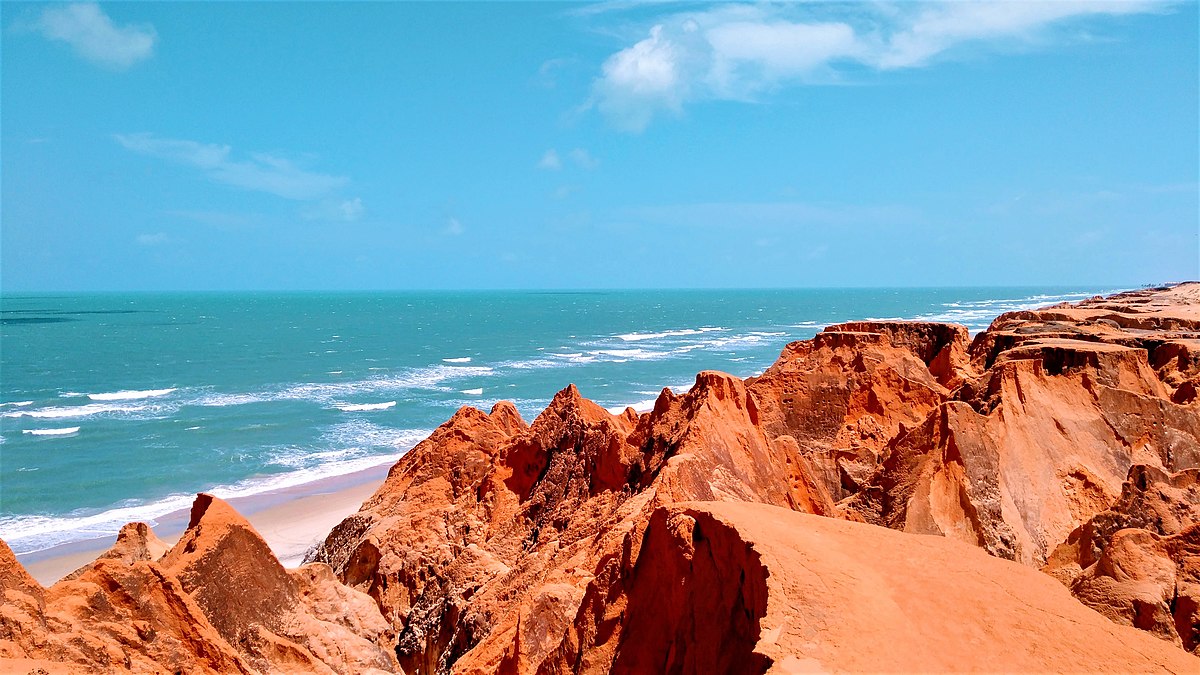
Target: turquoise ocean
119, 407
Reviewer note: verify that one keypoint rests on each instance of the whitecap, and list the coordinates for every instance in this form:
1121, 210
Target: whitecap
473, 392
363, 407
634, 337
66, 431
639, 354
329, 393
130, 395
30, 533
460, 359
639, 406
76, 411
16, 404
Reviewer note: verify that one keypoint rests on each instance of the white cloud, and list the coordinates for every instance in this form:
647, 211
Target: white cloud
152, 239
739, 52
940, 27
773, 51
346, 211
260, 172
583, 159
639, 81
351, 209
95, 37
550, 161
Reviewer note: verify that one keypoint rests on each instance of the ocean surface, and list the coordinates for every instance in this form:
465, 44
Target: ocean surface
119, 407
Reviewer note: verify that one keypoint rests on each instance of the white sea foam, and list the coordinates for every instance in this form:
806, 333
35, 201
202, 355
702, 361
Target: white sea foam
16, 404
460, 359
473, 392
533, 364
635, 337
363, 407
638, 406
130, 395
977, 314
333, 393
66, 431
26, 534
638, 354
77, 411
575, 357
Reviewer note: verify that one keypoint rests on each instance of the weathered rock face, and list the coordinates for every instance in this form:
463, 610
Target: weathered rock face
216, 602
1138, 562
685, 539
784, 592
496, 547
844, 394
488, 539
1018, 457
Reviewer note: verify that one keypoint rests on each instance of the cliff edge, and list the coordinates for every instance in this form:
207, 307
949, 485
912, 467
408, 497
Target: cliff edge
889, 495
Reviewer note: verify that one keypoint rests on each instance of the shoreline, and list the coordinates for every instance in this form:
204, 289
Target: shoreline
290, 519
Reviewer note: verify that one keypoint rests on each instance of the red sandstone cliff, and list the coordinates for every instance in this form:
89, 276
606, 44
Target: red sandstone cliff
686, 539
216, 602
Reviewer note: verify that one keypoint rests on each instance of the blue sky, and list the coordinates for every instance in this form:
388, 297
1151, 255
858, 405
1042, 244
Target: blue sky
182, 146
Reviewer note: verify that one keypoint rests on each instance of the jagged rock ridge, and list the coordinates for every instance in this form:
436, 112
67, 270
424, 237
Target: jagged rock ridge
686, 539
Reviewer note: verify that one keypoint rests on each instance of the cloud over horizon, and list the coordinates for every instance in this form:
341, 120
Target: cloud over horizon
743, 52
95, 37
260, 172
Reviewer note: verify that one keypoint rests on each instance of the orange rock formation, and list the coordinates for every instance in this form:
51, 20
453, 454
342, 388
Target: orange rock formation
216, 602
686, 539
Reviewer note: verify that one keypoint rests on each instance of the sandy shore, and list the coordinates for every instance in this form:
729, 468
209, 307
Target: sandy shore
291, 520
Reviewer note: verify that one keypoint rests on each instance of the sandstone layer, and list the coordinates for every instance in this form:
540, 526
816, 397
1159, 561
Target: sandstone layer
216, 602
1055, 454
500, 547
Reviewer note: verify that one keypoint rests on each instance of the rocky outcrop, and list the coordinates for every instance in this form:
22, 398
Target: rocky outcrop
750, 588
216, 602
488, 540
1018, 457
687, 538
844, 394
1138, 562
496, 547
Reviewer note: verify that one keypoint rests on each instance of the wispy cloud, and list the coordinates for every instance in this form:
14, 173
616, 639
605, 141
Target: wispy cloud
260, 172
454, 227
152, 239
95, 37
742, 52
550, 161
345, 210
583, 159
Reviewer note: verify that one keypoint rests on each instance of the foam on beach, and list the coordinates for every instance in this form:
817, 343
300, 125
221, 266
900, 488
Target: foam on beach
31, 533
